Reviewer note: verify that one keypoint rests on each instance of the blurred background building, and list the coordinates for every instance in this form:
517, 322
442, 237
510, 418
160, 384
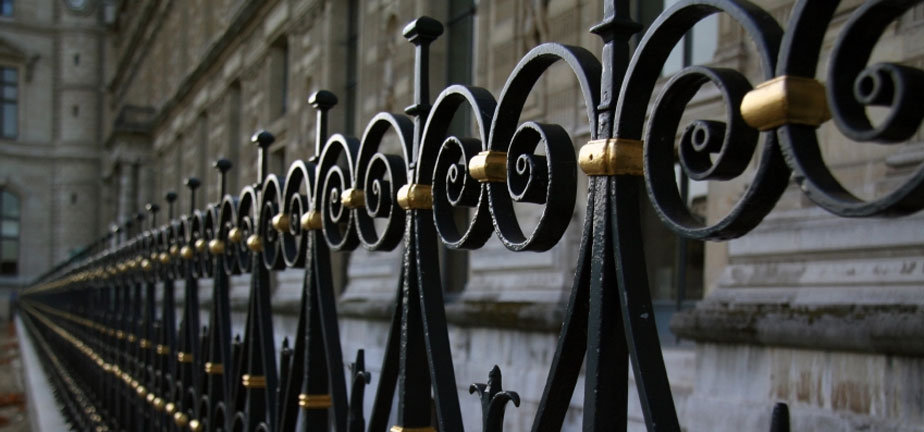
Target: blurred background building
107, 105
51, 112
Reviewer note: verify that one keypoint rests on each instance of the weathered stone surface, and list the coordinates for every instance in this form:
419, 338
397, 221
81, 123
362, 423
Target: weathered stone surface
885, 329
824, 390
52, 164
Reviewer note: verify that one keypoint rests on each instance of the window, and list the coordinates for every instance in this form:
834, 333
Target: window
460, 56
203, 156
699, 44
9, 233
277, 163
234, 134
9, 95
279, 78
6, 8
675, 264
460, 35
352, 62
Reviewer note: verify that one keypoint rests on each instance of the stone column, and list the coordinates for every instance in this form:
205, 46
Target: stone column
127, 190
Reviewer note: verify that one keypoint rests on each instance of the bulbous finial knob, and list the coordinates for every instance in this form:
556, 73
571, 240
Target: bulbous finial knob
223, 166
192, 183
322, 100
152, 209
423, 30
171, 198
263, 140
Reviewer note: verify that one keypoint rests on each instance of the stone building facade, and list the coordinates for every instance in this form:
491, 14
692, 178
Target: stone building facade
817, 311
51, 56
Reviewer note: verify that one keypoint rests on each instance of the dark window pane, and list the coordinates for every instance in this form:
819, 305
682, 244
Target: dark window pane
6, 8
9, 92
9, 120
8, 268
9, 250
9, 75
705, 40
10, 204
9, 228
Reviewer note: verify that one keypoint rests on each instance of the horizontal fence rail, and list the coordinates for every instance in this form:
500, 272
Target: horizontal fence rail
119, 363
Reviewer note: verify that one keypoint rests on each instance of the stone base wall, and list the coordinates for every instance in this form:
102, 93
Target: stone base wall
524, 354
737, 385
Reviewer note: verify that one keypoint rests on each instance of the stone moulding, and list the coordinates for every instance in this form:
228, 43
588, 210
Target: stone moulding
892, 329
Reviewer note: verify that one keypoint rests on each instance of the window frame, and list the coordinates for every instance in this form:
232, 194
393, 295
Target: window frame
7, 4
278, 85
17, 218
14, 101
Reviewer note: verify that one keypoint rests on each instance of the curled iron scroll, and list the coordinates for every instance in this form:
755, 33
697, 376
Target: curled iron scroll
272, 199
336, 177
728, 142
199, 265
379, 175
227, 218
246, 226
852, 87
209, 231
531, 177
297, 200
444, 161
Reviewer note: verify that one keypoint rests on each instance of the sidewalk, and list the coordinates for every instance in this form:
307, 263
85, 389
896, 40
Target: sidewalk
13, 414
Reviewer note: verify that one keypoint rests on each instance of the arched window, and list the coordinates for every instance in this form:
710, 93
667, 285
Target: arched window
9, 233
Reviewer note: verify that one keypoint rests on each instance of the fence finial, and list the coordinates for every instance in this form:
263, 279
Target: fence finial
171, 198
322, 101
421, 32
152, 209
263, 140
222, 165
192, 183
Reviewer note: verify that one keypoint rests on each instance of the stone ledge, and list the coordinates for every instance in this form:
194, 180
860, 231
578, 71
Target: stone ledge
529, 316
896, 329
545, 317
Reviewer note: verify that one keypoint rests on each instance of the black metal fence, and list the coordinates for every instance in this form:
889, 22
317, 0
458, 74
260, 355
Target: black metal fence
120, 364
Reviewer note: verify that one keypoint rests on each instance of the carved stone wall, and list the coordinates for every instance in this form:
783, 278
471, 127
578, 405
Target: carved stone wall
53, 162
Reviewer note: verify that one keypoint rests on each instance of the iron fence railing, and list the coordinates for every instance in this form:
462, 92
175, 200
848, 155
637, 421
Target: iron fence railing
120, 364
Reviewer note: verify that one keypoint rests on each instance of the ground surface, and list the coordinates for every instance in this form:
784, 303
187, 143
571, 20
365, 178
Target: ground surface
13, 415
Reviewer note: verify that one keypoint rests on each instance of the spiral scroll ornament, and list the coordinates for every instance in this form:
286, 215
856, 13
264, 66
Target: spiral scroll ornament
709, 150
547, 179
444, 162
245, 227
336, 171
273, 223
228, 240
297, 202
853, 86
380, 175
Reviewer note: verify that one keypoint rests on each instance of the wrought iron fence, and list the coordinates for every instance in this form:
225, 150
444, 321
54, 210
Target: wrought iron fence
119, 364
